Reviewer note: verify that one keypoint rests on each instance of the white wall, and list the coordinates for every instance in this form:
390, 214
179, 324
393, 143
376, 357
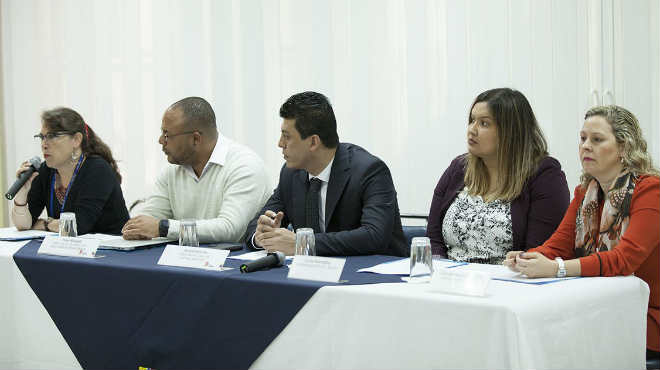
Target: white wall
401, 74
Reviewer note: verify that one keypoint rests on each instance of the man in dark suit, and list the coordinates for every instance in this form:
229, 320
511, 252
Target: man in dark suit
340, 190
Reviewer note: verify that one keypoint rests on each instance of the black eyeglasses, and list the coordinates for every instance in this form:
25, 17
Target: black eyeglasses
166, 135
51, 135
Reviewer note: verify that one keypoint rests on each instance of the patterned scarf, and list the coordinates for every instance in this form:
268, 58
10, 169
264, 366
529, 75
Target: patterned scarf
600, 235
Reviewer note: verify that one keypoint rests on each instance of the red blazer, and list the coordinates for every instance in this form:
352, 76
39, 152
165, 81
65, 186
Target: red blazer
638, 251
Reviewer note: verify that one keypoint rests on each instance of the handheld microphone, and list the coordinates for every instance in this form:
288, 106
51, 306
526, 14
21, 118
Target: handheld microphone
274, 259
35, 163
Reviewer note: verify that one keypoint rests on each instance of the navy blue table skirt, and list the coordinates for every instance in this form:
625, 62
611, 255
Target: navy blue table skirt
123, 310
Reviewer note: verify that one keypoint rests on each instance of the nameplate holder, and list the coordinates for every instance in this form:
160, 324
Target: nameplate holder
472, 283
193, 257
316, 268
68, 246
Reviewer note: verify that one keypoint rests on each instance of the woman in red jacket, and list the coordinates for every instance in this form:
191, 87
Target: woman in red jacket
611, 226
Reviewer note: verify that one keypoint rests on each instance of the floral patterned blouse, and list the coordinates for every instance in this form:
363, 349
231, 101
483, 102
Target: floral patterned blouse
477, 231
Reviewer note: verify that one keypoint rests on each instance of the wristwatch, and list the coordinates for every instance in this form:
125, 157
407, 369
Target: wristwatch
561, 271
163, 227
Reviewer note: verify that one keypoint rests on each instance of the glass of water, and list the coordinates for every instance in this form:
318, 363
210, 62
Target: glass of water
421, 260
68, 225
188, 233
305, 242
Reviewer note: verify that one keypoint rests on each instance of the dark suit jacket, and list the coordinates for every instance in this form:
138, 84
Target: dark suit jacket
535, 214
361, 211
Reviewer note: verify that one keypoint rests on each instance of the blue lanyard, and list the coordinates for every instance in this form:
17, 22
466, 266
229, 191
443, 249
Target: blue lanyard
68, 187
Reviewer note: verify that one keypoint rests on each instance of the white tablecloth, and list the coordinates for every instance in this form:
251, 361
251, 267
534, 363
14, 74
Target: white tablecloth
28, 337
580, 323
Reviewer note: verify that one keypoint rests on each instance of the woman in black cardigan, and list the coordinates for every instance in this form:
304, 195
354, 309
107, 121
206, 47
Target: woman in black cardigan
78, 175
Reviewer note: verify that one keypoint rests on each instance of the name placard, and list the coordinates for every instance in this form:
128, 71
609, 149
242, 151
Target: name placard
474, 283
316, 268
195, 257
68, 246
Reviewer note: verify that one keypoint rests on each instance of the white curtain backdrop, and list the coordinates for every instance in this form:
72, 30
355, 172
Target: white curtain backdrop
401, 74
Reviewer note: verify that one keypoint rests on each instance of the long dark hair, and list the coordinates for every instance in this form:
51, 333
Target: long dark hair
521, 145
66, 119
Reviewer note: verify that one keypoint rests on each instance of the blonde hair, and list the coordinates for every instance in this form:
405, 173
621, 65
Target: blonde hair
521, 146
628, 135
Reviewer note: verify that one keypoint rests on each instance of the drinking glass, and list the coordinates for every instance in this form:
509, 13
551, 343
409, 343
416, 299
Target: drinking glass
68, 224
421, 260
305, 242
188, 233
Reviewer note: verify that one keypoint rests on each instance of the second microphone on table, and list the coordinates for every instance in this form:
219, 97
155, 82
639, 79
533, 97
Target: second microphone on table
274, 259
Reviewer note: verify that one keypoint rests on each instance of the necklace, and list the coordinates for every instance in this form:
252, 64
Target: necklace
68, 187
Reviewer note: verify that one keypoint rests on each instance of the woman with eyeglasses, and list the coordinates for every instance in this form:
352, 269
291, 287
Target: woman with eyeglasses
78, 175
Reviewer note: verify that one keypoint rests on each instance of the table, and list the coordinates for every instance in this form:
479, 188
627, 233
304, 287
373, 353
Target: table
587, 323
581, 323
28, 337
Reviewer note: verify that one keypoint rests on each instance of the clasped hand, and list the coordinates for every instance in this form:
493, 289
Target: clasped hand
140, 227
533, 265
271, 236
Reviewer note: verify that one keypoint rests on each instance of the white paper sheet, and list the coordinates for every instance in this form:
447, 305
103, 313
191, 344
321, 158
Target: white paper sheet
402, 266
12, 234
500, 272
107, 241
